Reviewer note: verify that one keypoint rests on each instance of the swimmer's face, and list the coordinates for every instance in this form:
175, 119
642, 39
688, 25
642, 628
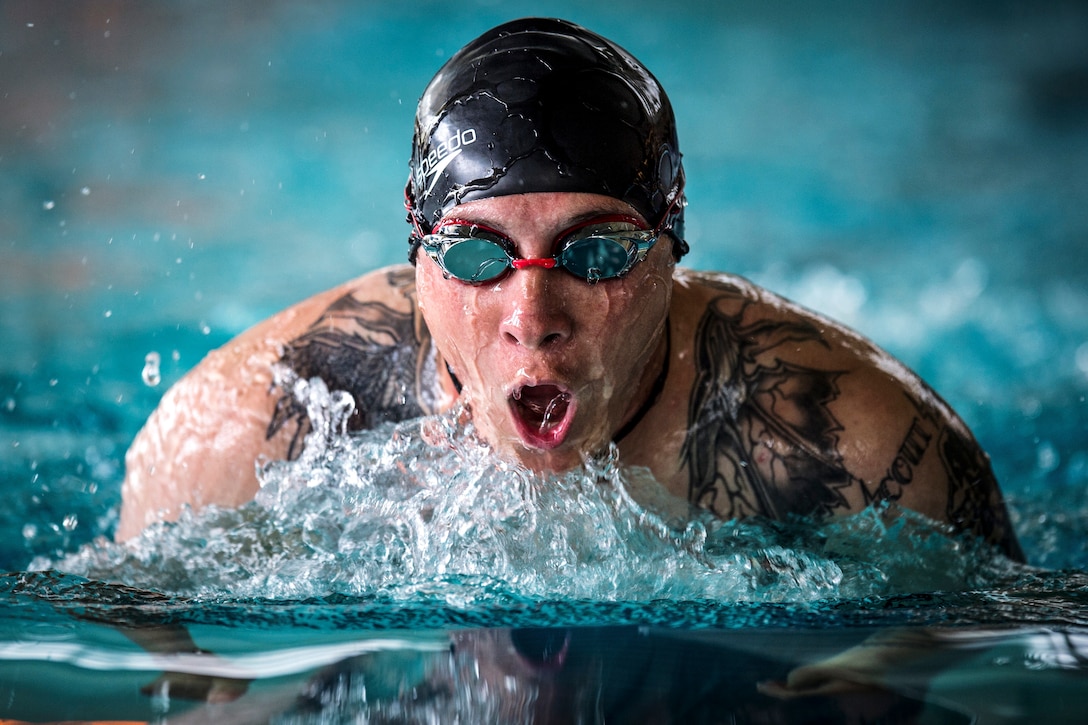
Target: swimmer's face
552, 366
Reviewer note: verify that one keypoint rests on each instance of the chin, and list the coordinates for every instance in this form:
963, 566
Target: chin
564, 458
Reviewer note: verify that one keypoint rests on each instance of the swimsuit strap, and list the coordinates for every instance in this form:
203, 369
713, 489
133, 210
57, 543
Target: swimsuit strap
651, 399
655, 392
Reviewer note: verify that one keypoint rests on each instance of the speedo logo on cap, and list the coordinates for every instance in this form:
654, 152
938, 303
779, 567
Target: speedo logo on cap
441, 156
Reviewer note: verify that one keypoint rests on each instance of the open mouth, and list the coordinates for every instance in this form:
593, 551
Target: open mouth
543, 414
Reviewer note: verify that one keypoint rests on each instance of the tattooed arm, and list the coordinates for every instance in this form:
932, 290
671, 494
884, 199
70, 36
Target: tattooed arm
200, 445
791, 413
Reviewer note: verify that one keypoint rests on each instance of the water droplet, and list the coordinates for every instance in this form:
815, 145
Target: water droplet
48, 205
559, 400
150, 374
30, 531
71, 521
86, 191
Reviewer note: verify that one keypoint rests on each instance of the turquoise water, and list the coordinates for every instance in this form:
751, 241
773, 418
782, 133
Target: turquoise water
170, 176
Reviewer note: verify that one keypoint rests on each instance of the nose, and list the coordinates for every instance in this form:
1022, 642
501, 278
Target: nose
536, 310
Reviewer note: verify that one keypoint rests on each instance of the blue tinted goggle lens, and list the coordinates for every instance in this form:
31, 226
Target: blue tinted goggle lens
474, 259
598, 257
593, 252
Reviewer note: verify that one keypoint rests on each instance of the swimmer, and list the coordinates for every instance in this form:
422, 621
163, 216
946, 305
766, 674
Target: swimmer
546, 205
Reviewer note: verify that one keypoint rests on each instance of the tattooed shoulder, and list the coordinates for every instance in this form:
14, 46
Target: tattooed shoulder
375, 347
764, 438
761, 437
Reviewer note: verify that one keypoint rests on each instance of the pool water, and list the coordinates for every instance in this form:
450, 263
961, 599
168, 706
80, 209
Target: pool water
170, 175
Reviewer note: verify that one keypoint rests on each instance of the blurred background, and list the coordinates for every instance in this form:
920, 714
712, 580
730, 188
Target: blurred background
171, 173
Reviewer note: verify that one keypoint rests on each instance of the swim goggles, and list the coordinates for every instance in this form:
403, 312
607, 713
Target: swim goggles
601, 248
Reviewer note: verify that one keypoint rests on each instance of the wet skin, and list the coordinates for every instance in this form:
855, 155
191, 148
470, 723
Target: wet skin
767, 409
551, 366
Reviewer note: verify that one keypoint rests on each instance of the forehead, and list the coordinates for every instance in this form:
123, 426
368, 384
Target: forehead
543, 211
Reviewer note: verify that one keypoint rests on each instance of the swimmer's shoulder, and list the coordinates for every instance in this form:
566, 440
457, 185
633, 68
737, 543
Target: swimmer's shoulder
199, 445
755, 338
367, 337
750, 309
845, 424
391, 287
697, 291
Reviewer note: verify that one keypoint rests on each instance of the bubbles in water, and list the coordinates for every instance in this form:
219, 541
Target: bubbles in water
150, 373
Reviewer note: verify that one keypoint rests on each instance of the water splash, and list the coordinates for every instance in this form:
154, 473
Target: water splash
423, 510
560, 402
150, 374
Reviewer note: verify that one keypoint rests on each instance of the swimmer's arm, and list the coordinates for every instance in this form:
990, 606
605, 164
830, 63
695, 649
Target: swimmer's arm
175, 640
903, 444
199, 447
883, 662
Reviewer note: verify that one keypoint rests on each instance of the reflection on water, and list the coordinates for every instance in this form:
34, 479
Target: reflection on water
594, 675
582, 674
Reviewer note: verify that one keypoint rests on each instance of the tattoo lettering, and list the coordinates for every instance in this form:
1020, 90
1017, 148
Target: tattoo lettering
761, 439
901, 471
381, 356
974, 498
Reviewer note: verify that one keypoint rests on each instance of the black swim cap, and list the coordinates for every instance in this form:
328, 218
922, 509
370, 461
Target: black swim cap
544, 105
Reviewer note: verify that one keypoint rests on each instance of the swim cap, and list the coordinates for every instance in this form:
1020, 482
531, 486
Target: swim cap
544, 105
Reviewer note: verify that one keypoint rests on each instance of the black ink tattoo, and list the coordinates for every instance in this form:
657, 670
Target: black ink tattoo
974, 497
911, 452
381, 356
761, 439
